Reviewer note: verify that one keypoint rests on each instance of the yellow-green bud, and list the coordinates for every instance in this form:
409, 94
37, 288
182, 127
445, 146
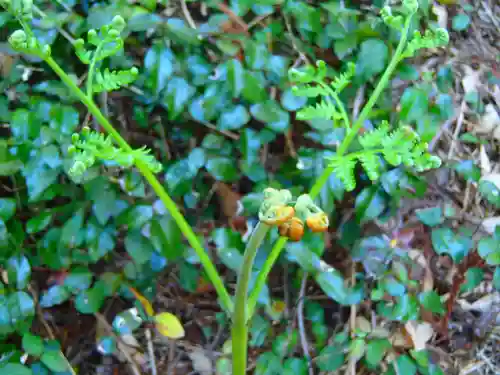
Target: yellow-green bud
71, 150
18, 40
118, 23
113, 34
85, 131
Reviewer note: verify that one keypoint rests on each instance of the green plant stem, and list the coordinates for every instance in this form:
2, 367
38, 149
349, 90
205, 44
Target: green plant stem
338, 103
170, 205
323, 178
90, 77
239, 331
260, 281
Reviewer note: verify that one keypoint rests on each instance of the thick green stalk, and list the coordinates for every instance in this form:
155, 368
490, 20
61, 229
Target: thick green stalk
170, 205
239, 331
323, 178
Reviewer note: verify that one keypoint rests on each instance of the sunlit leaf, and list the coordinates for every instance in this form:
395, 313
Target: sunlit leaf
169, 325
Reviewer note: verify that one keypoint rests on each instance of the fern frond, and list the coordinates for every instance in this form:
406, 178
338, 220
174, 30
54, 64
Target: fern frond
343, 168
113, 80
324, 109
376, 137
309, 91
370, 163
93, 146
339, 83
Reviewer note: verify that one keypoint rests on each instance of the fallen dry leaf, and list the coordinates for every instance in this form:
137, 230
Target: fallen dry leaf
420, 333
471, 80
442, 15
489, 122
490, 224
201, 363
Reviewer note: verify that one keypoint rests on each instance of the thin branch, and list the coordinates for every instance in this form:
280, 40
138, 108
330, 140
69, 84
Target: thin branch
458, 127
187, 14
300, 319
151, 351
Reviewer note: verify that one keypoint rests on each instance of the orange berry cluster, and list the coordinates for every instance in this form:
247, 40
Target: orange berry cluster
276, 211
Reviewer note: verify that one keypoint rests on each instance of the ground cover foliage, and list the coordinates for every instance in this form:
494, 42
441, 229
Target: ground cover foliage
205, 85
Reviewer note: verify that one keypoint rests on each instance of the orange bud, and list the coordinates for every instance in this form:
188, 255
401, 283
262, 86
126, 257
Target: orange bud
293, 229
281, 215
318, 222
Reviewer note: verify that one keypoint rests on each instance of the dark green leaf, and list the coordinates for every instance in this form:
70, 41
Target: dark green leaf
406, 365
330, 358
469, 170
235, 77
166, 237
496, 278
182, 32
430, 216
489, 250
138, 247
372, 58
375, 351
473, 278
295, 366
56, 295
222, 169
291, 102
19, 271
447, 242
272, 115
233, 118
432, 302
177, 95
80, 278
32, 344
38, 223
15, 369
268, 364
414, 104
55, 361
126, 322
90, 301
7, 207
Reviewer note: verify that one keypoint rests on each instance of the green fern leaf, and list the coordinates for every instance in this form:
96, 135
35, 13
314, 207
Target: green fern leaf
113, 80
309, 91
344, 170
370, 163
324, 110
375, 138
339, 83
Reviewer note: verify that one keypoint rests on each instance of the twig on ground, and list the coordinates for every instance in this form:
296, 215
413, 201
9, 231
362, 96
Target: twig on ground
458, 128
352, 320
493, 18
187, 14
300, 320
446, 125
151, 350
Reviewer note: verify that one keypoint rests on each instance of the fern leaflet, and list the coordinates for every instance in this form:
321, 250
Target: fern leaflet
113, 80
324, 109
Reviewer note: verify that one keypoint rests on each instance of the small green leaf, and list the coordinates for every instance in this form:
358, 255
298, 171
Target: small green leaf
80, 278
469, 170
7, 207
445, 241
295, 366
126, 322
271, 114
19, 271
489, 250
473, 278
430, 216
496, 278
55, 361
233, 118
268, 364
372, 58
292, 102
222, 169
138, 247
15, 369
32, 344
406, 365
182, 32
432, 302
90, 301
331, 358
55, 295
357, 349
38, 223
235, 77
460, 22
375, 351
